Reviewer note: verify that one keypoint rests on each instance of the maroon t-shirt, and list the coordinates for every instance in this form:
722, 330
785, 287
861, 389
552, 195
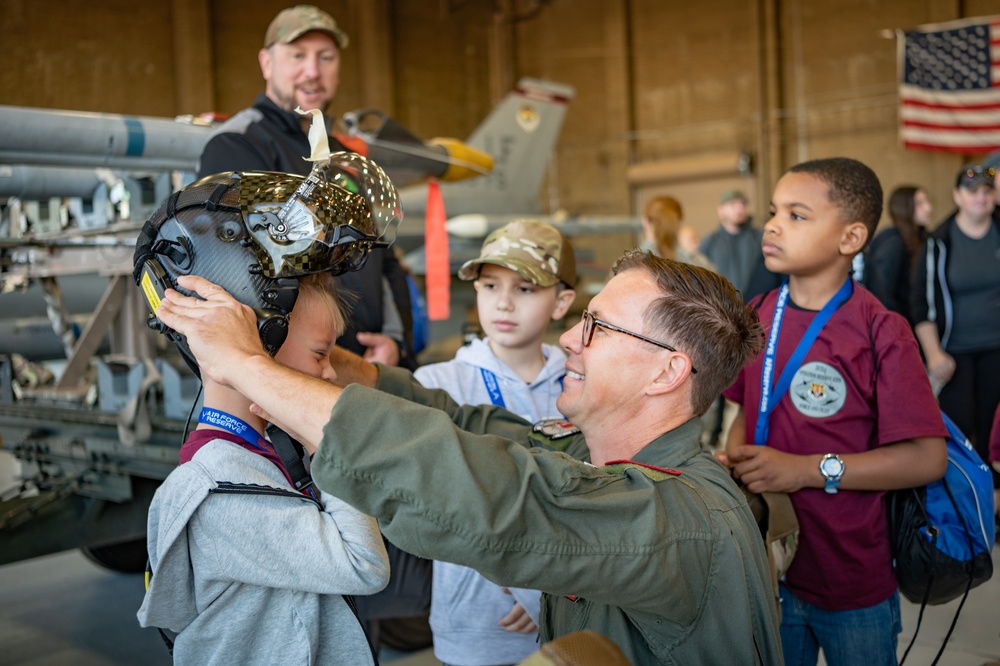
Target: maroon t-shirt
199, 438
835, 405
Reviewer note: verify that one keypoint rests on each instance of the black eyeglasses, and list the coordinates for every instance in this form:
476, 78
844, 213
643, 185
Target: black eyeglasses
590, 322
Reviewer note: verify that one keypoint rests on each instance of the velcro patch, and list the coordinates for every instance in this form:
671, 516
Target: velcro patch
555, 428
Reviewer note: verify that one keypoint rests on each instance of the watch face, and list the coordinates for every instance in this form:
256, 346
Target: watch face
832, 467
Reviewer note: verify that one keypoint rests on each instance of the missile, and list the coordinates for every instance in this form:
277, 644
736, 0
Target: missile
76, 138
30, 136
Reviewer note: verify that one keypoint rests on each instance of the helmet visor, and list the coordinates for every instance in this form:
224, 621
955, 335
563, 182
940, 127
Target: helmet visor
327, 221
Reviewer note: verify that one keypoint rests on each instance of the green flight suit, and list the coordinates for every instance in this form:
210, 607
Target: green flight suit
672, 569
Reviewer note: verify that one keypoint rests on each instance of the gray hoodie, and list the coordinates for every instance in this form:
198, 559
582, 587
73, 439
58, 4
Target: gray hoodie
252, 577
465, 606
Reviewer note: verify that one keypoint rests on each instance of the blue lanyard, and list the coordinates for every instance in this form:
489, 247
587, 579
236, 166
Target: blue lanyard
234, 425
492, 387
769, 398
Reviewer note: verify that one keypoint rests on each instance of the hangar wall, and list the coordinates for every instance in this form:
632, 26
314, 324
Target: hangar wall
668, 93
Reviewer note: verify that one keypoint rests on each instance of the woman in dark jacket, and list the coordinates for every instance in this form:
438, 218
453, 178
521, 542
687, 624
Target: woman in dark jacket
894, 251
956, 304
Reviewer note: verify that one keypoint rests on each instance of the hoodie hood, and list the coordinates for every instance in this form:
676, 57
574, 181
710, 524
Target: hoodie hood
465, 379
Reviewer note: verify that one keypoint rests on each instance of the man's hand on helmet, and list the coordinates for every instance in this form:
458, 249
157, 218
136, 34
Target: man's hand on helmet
221, 332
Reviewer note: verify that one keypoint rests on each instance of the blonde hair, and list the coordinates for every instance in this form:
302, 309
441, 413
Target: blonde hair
323, 288
664, 215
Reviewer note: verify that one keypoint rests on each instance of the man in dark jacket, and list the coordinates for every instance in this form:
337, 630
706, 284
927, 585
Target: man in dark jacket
300, 62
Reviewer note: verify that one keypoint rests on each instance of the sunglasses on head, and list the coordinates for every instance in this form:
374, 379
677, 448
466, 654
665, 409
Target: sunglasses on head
978, 171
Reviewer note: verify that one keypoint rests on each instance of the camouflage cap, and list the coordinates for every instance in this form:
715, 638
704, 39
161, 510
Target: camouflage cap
292, 23
731, 195
536, 251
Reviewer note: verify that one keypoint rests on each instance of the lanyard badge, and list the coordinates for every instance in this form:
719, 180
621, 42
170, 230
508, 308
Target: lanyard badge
770, 397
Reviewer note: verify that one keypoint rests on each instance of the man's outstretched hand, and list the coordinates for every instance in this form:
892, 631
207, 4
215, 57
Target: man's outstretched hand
221, 331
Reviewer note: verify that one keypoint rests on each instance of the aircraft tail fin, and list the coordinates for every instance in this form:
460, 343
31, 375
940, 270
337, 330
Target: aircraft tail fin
520, 133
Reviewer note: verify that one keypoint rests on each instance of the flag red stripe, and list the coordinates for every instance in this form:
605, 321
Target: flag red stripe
948, 148
951, 107
942, 126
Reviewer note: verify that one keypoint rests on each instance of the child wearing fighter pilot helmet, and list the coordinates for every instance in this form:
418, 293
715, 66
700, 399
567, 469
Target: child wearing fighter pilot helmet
250, 562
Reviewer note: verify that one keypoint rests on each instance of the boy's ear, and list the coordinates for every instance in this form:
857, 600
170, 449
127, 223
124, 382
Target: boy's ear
564, 299
854, 238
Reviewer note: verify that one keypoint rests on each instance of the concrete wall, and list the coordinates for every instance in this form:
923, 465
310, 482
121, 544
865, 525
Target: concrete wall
668, 93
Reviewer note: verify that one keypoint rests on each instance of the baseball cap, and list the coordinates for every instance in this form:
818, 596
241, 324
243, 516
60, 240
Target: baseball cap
992, 161
536, 251
732, 194
292, 23
974, 175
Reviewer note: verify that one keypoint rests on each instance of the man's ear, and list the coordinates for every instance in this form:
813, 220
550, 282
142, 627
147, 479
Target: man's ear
854, 238
264, 59
564, 299
672, 376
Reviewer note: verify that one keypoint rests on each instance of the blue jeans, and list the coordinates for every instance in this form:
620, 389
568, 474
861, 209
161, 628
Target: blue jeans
848, 637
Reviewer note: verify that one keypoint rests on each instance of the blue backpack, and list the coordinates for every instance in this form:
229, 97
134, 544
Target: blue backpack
942, 533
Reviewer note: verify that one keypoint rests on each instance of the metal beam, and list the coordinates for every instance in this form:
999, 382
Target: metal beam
91, 337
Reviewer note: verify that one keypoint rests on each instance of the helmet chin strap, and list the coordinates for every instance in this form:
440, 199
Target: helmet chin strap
291, 453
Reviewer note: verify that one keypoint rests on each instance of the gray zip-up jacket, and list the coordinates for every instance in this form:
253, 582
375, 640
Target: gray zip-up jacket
462, 378
248, 571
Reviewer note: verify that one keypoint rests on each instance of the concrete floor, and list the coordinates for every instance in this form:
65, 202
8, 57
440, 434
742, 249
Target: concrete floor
62, 609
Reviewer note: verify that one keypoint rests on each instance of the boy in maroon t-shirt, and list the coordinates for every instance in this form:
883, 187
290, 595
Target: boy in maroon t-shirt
846, 413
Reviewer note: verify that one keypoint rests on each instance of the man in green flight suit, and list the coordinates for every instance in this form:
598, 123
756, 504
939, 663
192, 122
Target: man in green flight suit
638, 534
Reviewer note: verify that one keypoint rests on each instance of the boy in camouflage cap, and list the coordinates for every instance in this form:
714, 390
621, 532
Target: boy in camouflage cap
537, 251
524, 278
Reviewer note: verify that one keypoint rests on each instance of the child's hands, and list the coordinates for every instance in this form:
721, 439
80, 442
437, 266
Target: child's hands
765, 469
518, 620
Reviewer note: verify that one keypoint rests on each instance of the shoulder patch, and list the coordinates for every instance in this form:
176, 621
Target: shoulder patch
555, 428
651, 471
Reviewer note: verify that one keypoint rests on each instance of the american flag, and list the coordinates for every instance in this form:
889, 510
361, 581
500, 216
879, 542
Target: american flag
949, 89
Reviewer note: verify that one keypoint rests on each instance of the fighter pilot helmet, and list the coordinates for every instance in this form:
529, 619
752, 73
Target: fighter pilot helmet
255, 233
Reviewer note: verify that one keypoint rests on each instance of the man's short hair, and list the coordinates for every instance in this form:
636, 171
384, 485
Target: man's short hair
703, 315
853, 188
